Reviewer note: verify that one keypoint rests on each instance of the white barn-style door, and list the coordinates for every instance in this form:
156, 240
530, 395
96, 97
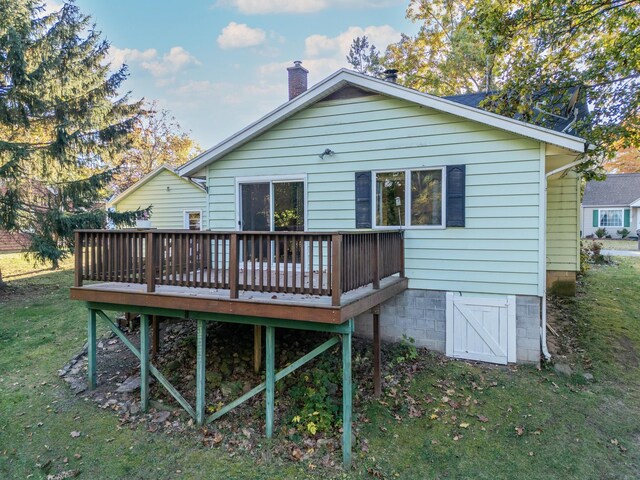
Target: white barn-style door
481, 329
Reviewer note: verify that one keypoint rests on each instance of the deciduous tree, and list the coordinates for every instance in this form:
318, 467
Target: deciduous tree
156, 139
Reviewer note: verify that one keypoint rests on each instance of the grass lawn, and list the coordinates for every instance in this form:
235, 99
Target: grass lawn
610, 244
453, 420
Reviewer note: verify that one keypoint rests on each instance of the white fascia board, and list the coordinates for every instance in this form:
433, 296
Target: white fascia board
635, 203
345, 77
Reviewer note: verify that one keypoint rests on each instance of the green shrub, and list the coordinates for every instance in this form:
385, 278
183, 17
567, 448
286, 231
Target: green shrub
601, 232
624, 233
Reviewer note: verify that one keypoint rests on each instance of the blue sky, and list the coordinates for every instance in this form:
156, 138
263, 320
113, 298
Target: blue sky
218, 65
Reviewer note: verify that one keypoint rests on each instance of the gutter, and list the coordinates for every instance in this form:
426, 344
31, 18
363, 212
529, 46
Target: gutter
543, 336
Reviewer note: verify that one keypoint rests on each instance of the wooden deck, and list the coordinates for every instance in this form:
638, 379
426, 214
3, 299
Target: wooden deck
307, 276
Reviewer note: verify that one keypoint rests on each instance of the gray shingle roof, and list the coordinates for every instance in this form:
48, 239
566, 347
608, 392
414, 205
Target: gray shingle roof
559, 124
620, 189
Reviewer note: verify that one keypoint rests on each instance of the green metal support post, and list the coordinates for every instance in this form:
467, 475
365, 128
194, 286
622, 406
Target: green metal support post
91, 349
270, 343
201, 364
144, 362
347, 396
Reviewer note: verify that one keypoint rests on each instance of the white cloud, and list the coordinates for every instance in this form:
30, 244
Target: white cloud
51, 6
300, 6
176, 59
321, 45
276, 6
171, 62
118, 56
240, 35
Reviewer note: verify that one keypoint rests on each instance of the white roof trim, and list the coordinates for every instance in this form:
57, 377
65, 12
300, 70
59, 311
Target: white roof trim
345, 77
152, 174
635, 203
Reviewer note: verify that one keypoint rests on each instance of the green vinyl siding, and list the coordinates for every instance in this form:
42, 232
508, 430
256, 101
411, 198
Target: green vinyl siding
168, 206
497, 251
563, 224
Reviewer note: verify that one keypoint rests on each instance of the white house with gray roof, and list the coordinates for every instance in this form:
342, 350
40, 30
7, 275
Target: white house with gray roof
612, 204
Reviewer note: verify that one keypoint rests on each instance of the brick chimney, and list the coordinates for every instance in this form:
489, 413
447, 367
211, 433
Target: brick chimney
297, 79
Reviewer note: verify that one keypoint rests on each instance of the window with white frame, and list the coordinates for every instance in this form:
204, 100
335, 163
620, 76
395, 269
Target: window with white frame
611, 218
411, 198
193, 220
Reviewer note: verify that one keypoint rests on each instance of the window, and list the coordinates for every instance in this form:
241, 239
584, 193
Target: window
276, 204
611, 218
420, 205
192, 220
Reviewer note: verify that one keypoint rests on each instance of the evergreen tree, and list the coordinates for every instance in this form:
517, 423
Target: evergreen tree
364, 58
60, 120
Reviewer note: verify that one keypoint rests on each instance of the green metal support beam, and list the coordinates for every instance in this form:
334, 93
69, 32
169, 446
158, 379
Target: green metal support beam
91, 349
347, 397
279, 376
144, 362
201, 363
345, 330
154, 371
270, 344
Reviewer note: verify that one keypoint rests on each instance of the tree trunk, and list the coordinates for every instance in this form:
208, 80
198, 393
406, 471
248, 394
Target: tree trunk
2, 284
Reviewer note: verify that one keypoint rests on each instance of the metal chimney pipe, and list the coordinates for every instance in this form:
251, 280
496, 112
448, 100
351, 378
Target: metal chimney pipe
391, 75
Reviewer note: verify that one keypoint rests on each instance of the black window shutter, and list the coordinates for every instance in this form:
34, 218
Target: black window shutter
363, 199
455, 195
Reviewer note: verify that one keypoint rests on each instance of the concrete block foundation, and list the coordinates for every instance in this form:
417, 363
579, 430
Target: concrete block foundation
421, 315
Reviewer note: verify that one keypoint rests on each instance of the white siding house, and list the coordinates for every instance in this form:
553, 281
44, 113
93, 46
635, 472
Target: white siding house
175, 202
481, 219
612, 205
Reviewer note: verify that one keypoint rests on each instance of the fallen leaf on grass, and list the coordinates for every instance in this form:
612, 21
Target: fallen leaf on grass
519, 430
296, 454
464, 425
75, 434
217, 438
374, 473
483, 419
63, 475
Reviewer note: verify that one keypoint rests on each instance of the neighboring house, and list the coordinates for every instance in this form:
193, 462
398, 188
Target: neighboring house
613, 204
489, 205
176, 202
13, 241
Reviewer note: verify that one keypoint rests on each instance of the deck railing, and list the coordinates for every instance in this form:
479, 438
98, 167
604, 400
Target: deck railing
312, 263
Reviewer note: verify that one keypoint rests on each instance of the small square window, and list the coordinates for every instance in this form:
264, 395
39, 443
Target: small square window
193, 220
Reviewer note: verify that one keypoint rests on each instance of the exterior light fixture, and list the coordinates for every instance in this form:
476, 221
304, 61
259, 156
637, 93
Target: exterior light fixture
327, 151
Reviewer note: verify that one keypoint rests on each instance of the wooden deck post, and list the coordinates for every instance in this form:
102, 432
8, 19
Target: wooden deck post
91, 349
77, 273
376, 261
144, 362
346, 397
336, 269
377, 380
201, 364
271, 377
150, 268
402, 255
257, 348
234, 265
